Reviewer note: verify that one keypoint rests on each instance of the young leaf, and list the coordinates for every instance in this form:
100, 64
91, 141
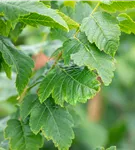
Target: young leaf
86, 54
114, 6
126, 23
102, 29
55, 122
22, 63
108, 2
70, 3
71, 23
37, 13
71, 84
21, 137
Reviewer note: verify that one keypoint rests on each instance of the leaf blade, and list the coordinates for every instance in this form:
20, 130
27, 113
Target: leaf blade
58, 84
22, 63
102, 29
21, 137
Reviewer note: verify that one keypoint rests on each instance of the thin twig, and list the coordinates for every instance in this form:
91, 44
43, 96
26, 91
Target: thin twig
56, 61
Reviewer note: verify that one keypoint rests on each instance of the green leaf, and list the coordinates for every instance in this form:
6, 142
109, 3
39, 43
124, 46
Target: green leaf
114, 6
70, 3
5, 27
7, 69
1, 148
108, 2
73, 13
102, 29
36, 13
70, 84
27, 105
16, 31
111, 148
87, 54
55, 122
99, 148
126, 23
22, 63
21, 137
71, 23
47, 3
61, 34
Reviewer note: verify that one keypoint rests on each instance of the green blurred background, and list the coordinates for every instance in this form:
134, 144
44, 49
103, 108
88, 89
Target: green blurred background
108, 119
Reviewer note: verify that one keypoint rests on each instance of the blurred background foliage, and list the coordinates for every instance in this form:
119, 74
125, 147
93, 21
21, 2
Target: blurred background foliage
106, 120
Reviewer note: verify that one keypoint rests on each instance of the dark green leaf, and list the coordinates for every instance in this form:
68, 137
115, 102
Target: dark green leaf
85, 54
22, 63
71, 84
55, 122
21, 137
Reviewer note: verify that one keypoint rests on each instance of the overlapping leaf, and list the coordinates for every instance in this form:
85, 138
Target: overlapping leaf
71, 23
55, 122
86, 54
115, 5
21, 62
70, 84
21, 137
5, 27
36, 13
102, 29
126, 23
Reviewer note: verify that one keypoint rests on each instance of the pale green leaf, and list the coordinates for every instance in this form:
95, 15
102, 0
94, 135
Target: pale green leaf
21, 62
102, 29
115, 5
21, 137
2, 148
126, 23
70, 3
70, 22
37, 13
55, 122
46, 2
75, 13
106, 2
71, 84
87, 54
111, 148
